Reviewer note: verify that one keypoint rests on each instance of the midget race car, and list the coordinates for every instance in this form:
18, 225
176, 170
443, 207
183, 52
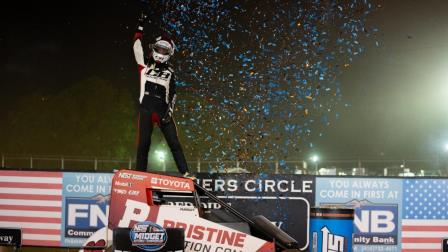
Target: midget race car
141, 219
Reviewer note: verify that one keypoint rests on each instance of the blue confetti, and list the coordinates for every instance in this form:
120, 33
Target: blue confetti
253, 86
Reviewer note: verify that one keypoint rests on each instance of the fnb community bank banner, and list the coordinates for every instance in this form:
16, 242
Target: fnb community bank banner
391, 214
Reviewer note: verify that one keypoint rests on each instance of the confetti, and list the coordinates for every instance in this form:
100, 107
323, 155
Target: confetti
254, 78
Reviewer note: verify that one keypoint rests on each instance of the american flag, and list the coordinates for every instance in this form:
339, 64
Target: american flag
425, 215
32, 201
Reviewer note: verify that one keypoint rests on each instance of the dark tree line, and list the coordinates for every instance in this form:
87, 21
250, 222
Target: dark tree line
91, 117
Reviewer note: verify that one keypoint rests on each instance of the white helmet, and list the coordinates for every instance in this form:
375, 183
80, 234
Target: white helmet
163, 49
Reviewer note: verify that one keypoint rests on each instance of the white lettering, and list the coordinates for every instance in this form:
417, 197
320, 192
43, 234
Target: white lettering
232, 185
219, 185
73, 213
149, 236
382, 222
269, 186
207, 184
306, 185
280, 188
363, 223
96, 213
72, 232
124, 175
331, 242
246, 186
80, 188
130, 215
170, 183
334, 194
376, 221
6, 238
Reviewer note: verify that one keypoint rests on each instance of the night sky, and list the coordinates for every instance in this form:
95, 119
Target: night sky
399, 90
266, 80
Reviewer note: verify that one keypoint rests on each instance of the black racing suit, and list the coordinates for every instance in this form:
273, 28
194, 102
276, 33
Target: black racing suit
157, 98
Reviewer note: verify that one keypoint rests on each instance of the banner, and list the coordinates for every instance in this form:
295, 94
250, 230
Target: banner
283, 199
425, 214
65, 208
32, 201
85, 206
376, 203
10, 237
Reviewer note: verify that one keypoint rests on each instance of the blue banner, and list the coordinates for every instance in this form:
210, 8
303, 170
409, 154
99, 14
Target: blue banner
376, 202
85, 206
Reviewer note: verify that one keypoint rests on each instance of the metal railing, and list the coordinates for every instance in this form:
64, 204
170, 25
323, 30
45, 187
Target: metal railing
367, 167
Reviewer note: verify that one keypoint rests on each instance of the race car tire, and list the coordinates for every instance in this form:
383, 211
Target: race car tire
121, 239
176, 239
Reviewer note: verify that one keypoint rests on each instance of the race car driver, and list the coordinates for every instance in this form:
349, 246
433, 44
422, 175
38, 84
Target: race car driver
157, 98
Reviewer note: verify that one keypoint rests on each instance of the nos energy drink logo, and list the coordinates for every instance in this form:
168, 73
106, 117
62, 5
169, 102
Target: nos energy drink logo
84, 216
375, 224
148, 236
